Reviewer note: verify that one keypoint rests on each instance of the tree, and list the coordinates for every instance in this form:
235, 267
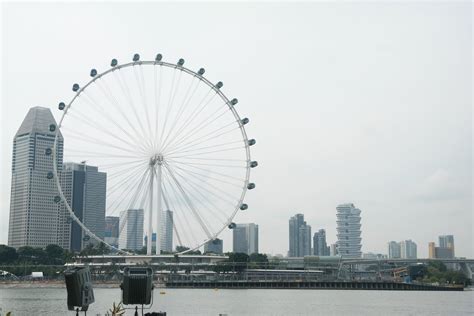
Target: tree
55, 254
237, 257
8, 254
32, 255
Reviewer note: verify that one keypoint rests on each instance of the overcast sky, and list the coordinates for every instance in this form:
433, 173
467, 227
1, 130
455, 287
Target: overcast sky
351, 102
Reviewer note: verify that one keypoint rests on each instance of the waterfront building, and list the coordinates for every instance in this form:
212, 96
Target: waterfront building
349, 241
36, 220
111, 232
394, 251
167, 231
84, 188
131, 229
408, 249
299, 237
245, 238
215, 246
320, 247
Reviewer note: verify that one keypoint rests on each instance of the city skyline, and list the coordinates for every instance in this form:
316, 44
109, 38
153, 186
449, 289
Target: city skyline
367, 148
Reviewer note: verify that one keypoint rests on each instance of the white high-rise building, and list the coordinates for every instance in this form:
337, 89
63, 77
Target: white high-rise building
245, 238
131, 229
394, 251
408, 249
35, 218
349, 241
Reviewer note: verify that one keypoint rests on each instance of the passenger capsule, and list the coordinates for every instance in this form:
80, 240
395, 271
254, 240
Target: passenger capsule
253, 164
136, 57
93, 72
251, 186
86, 238
201, 71
52, 128
49, 175
232, 225
243, 207
244, 121
75, 87
114, 62
252, 142
48, 151
69, 220
180, 62
219, 85
158, 57
57, 199
234, 101
61, 106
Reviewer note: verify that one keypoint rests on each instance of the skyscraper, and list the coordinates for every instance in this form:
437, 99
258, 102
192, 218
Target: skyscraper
333, 250
35, 219
349, 231
167, 231
131, 229
320, 247
447, 241
408, 249
299, 237
304, 240
394, 250
111, 232
245, 238
85, 190
214, 246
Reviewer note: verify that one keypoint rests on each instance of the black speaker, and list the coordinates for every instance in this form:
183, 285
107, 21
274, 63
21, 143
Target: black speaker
79, 288
137, 286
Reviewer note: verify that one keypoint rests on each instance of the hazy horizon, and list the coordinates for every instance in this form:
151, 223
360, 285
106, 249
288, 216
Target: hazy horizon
364, 103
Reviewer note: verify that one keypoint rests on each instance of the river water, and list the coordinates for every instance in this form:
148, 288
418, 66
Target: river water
52, 301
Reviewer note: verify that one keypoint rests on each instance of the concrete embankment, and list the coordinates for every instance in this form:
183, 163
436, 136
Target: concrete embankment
334, 285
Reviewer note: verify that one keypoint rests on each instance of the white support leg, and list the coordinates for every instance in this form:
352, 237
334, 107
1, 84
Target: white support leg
150, 213
159, 212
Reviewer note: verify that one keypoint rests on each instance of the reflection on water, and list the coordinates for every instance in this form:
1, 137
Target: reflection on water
52, 301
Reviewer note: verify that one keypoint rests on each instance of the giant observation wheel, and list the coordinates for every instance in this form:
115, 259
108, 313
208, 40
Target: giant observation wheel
169, 143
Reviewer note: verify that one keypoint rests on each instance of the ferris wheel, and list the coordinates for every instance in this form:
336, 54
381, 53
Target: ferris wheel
169, 141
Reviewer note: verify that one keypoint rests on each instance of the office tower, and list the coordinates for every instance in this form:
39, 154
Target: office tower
394, 250
245, 238
408, 249
349, 231
111, 232
214, 246
447, 241
333, 250
299, 237
131, 229
167, 231
320, 247
431, 250
35, 218
85, 190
